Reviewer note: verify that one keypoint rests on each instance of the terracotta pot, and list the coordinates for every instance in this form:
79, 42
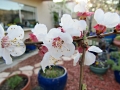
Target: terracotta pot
26, 87
116, 42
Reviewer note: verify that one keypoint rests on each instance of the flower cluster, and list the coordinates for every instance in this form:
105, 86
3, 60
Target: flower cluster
11, 44
58, 42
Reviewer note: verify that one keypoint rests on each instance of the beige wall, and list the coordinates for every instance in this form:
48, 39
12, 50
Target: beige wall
43, 14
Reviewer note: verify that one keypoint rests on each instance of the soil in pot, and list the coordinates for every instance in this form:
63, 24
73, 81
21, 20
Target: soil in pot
10, 84
52, 72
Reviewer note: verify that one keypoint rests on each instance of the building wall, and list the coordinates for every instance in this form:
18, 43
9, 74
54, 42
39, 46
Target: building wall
43, 14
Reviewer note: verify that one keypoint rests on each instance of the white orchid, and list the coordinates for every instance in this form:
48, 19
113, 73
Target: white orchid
107, 19
40, 30
72, 26
11, 44
89, 56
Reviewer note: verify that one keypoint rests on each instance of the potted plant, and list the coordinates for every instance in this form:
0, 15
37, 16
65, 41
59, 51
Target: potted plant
115, 56
54, 78
116, 67
99, 67
16, 82
29, 47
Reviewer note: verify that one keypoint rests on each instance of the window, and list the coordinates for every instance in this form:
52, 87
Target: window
16, 13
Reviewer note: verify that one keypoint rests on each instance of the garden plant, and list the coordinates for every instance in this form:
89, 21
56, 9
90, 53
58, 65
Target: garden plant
57, 43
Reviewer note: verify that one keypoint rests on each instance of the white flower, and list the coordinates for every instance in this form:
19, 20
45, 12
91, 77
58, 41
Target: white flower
81, 7
72, 26
11, 43
108, 19
46, 61
40, 30
75, 57
59, 43
89, 56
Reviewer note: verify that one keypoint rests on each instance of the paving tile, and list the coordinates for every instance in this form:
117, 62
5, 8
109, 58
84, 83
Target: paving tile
1, 79
26, 68
16, 72
37, 65
29, 73
36, 71
4, 74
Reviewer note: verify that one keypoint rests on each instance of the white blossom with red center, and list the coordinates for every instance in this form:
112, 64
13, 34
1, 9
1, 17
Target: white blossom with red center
73, 26
59, 44
11, 44
40, 30
106, 20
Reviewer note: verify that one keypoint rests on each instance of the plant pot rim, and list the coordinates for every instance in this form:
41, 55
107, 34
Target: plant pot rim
100, 68
56, 77
24, 75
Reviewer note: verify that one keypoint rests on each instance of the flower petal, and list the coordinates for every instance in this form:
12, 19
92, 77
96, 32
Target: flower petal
40, 30
111, 16
6, 56
76, 57
80, 25
66, 38
66, 58
80, 7
66, 21
68, 49
15, 31
17, 49
89, 58
45, 61
1, 32
95, 49
99, 16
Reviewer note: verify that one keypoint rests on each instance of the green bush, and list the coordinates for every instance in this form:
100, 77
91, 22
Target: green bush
115, 65
14, 81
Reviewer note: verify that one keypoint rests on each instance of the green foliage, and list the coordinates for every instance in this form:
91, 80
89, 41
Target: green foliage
14, 81
110, 62
115, 65
56, 17
117, 37
115, 55
52, 72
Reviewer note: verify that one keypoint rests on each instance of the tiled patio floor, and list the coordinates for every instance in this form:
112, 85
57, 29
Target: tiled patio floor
93, 81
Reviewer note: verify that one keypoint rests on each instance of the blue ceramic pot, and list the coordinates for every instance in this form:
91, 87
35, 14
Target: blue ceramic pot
30, 48
58, 83
117, 76
98, 70
109, 39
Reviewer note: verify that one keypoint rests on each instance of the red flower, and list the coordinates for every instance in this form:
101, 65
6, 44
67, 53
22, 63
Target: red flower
33, 37
100, 29
84, 15
117, 28
43, 50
